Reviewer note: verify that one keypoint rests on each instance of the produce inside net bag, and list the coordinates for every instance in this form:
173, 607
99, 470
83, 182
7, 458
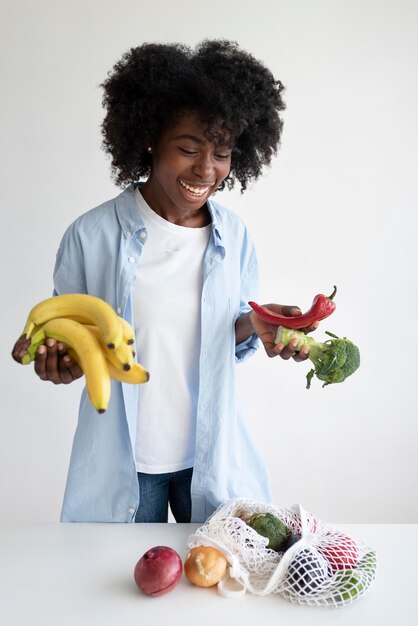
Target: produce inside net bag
287, 551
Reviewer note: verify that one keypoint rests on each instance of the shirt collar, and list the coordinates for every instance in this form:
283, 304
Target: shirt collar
217, 222
131, 221
129, 217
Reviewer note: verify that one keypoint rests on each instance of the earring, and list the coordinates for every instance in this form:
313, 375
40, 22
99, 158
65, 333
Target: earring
149, 149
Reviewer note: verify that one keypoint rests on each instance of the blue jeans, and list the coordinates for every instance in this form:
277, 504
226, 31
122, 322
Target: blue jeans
157, 491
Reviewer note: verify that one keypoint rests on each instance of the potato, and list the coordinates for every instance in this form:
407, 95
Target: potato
205, 566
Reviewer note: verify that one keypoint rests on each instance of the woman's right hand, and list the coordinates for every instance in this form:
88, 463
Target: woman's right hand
52, 362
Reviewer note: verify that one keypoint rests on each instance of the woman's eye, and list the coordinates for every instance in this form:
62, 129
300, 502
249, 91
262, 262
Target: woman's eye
189, 152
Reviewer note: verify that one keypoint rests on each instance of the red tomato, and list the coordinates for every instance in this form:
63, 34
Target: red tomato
340, 551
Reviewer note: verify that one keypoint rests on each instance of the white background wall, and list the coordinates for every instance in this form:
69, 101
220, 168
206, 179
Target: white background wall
338, 206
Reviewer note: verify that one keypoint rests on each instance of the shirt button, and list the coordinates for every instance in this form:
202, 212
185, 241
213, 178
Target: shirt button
142, 234
131, 259
128, 233
131, 510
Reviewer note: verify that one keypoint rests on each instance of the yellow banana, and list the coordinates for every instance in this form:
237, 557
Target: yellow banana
128, 333
136, 375
87, 352
96, 310
121, 357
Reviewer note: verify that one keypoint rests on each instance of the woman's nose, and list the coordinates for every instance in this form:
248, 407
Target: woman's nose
203, 167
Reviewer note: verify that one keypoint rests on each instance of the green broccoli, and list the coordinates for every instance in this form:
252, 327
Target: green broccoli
268, 525
334, 360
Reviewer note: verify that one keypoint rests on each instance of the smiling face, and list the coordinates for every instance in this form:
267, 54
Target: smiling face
187, 168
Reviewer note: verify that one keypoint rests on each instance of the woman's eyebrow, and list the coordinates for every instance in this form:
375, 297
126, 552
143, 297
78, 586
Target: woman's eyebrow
192, 138
220, 144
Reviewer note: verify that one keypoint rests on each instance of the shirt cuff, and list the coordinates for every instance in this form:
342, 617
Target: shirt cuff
246, 348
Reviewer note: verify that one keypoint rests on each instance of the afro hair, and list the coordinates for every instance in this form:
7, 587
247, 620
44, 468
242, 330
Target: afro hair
153, 83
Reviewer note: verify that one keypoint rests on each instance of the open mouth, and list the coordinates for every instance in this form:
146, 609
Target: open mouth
196, 191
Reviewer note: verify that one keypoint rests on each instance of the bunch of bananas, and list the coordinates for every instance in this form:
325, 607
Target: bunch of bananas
98, 339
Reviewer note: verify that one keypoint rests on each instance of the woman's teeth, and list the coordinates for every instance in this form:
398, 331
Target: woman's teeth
196, 191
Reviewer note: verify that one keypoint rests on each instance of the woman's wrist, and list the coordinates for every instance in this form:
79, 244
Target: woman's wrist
244, 327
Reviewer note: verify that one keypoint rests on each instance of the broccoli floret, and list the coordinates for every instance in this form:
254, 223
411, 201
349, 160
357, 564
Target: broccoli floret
334, 360
268, 525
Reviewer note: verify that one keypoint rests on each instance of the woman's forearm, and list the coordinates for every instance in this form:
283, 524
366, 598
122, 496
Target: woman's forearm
243, 328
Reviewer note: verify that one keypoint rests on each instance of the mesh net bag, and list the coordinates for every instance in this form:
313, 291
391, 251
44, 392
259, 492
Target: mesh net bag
322, 567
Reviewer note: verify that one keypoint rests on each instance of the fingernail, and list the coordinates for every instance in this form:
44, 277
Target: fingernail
60, 346
41, 350
66, 359
294, 343
305, 350
50, 343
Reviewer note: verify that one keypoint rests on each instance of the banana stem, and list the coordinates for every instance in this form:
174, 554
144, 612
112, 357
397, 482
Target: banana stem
29, 330
37, 340
20, 350
25, 348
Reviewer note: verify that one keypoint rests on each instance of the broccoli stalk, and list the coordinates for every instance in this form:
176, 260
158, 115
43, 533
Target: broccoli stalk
334, 360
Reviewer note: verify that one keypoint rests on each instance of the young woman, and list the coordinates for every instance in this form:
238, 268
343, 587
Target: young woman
181, 268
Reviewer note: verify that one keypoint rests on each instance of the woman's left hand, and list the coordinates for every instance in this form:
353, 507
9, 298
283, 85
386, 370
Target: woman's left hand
267, 333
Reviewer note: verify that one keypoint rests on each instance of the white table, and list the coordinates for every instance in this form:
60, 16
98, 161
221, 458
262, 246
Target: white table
82, 575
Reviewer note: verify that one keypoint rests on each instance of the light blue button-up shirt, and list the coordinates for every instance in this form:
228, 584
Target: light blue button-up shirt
98, 255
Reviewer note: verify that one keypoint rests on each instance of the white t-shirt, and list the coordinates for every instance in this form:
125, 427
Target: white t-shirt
166, 303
